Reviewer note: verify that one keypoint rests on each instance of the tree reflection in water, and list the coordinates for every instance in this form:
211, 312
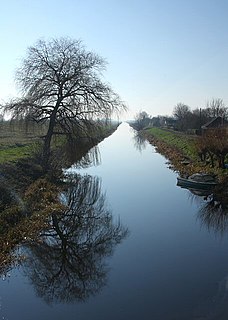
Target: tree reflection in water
213, 209
214, 214
77, 153
92, 157
139, 141
68, 262
81, 156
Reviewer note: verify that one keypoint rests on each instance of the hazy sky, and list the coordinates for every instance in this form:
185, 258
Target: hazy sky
159, 52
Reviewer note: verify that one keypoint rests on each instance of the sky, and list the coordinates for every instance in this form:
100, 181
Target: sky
159, 52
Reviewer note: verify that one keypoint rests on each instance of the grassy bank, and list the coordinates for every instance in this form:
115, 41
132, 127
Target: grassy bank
179, 141
18, 142
181, 151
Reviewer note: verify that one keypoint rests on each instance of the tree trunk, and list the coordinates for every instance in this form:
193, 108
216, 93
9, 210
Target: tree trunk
47, 140
47, 147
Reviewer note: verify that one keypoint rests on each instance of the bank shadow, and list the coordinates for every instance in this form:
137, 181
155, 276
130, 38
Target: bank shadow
80, 155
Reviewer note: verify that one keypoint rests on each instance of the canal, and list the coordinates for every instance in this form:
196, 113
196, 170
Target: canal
162, 256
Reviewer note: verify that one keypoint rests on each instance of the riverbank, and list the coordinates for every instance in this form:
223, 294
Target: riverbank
181, 151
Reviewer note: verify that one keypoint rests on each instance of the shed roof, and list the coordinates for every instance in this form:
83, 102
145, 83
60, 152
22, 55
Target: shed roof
217, 122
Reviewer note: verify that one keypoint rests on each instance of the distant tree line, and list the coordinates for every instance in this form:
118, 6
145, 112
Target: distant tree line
142, 120
183, 118
187, 119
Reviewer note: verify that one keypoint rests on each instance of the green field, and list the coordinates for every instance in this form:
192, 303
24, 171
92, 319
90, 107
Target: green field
18, 141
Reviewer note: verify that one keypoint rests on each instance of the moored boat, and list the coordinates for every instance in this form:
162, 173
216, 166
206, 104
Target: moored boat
197, 181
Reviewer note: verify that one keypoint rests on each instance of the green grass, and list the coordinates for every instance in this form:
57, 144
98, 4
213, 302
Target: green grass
15, 153
18, 142
183, 142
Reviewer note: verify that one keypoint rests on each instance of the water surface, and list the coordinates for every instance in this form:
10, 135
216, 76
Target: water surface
172, 264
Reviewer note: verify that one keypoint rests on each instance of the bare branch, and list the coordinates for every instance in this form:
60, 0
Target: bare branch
61, 81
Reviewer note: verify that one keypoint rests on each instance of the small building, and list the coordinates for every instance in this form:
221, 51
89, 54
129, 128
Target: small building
216, 123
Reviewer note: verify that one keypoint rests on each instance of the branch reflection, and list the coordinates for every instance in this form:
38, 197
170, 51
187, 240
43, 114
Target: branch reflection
139, 141
91, 158
213, 208
68, 262
214, 213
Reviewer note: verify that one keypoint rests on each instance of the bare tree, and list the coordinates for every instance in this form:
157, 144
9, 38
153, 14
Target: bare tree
61, 84
182, 113
142, 120
216, 108
214, 144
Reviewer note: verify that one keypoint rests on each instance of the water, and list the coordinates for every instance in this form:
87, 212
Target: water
170, 265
